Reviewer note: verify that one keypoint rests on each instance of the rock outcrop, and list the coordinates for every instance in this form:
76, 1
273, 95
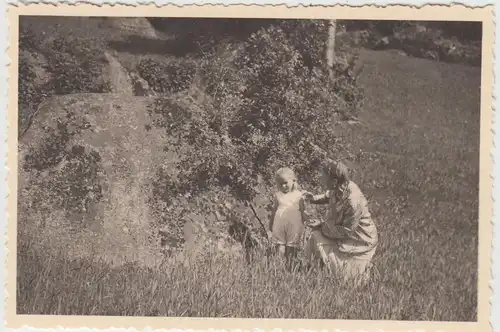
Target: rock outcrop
133, 26
140, 86
117, 76
87, 165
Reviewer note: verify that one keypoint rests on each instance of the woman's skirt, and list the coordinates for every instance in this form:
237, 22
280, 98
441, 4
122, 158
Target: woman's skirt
344, 264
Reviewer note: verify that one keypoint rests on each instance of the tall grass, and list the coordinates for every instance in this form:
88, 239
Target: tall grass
224, 286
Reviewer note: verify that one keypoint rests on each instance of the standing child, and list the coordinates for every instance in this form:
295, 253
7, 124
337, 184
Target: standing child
288, 215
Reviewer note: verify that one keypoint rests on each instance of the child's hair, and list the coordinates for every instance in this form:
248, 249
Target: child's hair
285, 171
337, 170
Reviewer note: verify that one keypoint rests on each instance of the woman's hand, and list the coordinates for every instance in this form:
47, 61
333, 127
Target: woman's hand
307, 196
314, 223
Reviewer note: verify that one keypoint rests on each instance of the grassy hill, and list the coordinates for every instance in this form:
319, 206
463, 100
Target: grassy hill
418, 162
415, 154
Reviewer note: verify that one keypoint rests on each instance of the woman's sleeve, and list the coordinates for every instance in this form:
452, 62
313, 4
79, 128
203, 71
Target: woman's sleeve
333, 231
353, 215
321, 198
350, 220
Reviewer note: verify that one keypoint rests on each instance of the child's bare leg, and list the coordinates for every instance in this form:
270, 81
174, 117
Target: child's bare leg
282, 250
291, 254
279, 252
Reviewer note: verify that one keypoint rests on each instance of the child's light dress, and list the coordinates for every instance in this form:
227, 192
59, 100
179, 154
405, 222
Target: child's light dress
288, 227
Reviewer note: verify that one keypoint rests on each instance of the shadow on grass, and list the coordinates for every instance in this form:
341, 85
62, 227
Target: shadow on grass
191, 36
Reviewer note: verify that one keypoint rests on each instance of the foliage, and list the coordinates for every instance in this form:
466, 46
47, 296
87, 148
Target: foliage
167, 76
74, 65
75, 184
77, 66
75, 187
203, 33
30, 95
423, 196
463, 30
454, 42
264, 103
308, 37
427, 256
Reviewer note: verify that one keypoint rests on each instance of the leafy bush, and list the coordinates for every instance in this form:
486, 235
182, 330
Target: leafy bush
28, 40
454, 42
77, 65
75, 185
74, 64
308, 38
168, 76
30, 92
268, 109
30, 95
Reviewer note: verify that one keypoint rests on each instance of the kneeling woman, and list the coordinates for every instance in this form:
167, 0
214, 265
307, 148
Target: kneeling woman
347, 239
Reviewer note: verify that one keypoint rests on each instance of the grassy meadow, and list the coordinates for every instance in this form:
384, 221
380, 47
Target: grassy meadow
416, 157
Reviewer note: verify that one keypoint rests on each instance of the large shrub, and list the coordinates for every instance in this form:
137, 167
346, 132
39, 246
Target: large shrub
31, 88
308, 37
72, 64
168, 76
30, 92
267, 109
77, 65
454, 42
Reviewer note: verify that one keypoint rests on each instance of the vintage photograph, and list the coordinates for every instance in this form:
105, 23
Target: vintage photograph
249, 167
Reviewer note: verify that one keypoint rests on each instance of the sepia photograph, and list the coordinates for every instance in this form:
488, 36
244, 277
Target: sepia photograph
236, 167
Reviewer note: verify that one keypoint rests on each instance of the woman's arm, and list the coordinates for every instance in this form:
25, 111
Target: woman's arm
350, 219
318, 199
353, 215
333, 231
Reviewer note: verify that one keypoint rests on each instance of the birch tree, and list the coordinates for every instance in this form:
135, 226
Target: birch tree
330, 45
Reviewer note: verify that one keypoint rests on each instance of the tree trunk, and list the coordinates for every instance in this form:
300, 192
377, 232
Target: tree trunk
330, 45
